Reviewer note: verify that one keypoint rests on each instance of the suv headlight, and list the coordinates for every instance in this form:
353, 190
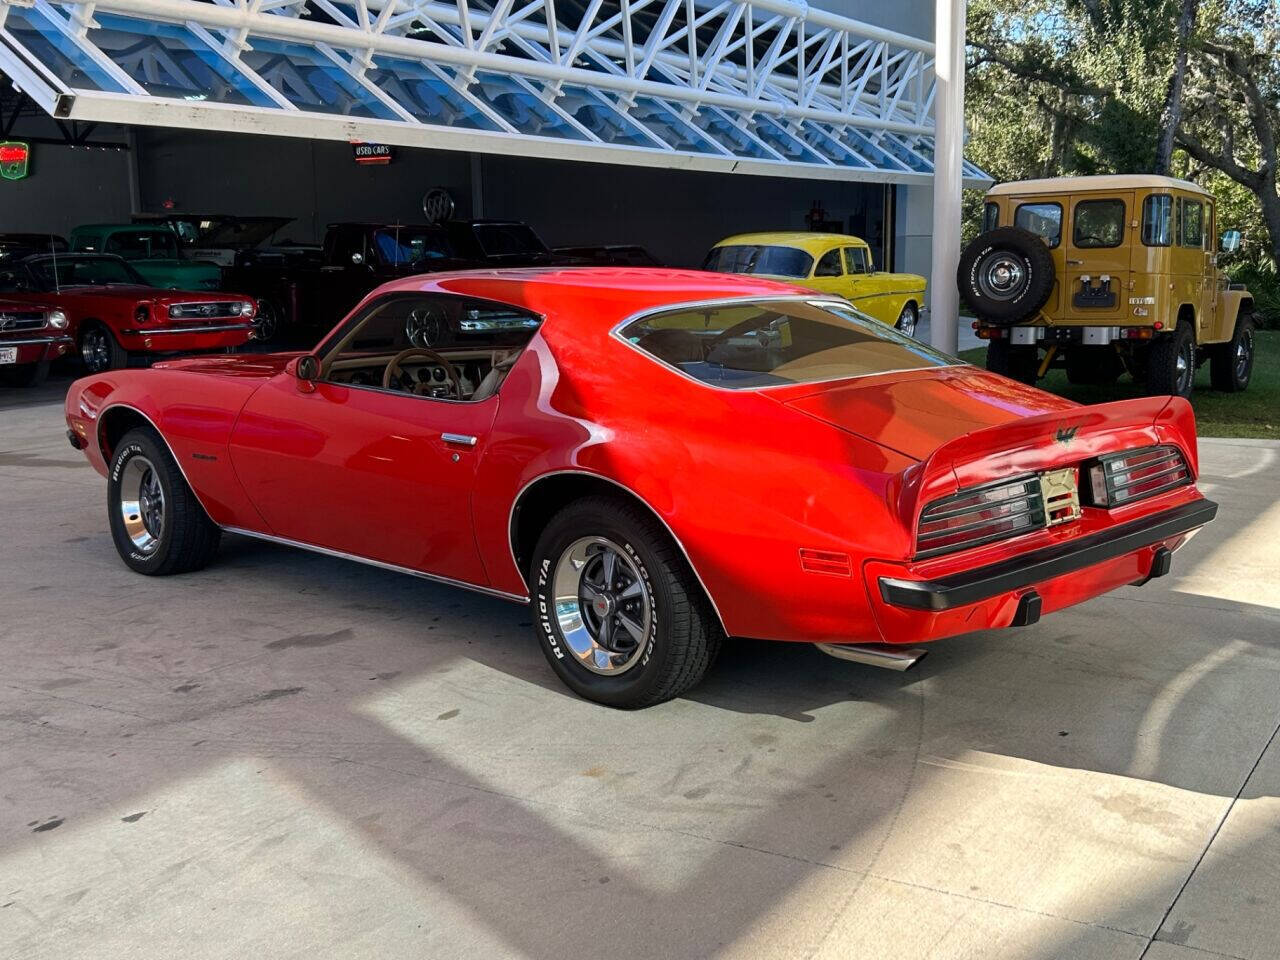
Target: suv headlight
57, 319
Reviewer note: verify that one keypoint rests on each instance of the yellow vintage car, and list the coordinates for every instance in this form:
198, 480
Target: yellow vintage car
829, 262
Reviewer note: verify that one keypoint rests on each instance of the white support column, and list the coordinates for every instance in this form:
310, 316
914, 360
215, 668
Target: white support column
948, 171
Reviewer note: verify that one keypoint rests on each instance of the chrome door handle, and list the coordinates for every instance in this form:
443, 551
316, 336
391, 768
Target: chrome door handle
1076, 263
461, 439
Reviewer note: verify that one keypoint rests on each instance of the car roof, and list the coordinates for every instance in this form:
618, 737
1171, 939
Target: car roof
159, 226
809, 241
595, 299
1116, 181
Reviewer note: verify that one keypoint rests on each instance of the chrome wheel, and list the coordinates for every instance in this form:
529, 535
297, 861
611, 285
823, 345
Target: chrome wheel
1185, 368
603, 606
95, 350
1001, 276
267, 323
907, 320
142, 504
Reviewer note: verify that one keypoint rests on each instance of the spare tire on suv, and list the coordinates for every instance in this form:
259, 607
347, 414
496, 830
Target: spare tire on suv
1006, 275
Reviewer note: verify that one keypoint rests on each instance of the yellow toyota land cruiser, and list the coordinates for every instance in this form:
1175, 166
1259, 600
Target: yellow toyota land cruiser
829, 262
1103, 275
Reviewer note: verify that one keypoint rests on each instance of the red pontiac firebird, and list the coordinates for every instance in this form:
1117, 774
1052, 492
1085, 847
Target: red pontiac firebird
655, 460
114, 314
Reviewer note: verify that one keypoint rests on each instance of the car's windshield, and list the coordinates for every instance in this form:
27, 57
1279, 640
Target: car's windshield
761, 343
508, 239
411, 245
83, 271
758, 258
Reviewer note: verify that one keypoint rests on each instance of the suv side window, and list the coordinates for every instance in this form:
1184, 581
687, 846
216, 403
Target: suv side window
1098, 223
1157, 220
1192, 224
856, 260
990, 217
1042, 219
829, 264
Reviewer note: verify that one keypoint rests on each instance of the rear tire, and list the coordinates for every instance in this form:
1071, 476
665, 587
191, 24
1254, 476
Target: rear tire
99, 349
156, 521
1171, 363
632, 627
1231, 363
1016, 363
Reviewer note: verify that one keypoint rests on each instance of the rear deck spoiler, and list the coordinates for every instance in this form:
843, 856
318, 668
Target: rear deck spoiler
1046, 442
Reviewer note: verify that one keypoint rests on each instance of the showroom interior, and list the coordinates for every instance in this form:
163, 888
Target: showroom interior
311, 749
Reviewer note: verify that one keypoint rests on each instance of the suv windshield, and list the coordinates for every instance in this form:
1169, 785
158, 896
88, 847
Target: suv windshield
754, 258
411, 245
83, 271
760, 343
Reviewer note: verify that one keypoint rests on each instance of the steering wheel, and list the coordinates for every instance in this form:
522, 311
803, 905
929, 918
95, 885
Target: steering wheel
393, 369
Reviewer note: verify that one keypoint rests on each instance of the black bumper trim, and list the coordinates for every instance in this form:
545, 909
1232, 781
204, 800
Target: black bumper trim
972, 586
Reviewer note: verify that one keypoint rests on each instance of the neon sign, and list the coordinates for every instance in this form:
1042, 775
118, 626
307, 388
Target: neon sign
15, 160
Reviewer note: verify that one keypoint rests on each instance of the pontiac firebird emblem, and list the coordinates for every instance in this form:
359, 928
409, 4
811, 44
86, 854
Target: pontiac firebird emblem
1065, 434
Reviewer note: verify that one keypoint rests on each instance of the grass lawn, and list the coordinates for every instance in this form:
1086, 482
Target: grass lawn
1254, 413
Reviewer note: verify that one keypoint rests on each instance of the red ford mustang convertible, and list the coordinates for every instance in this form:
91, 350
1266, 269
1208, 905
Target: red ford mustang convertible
656, 460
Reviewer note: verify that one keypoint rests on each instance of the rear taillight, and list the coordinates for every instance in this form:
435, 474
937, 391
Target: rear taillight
1121, 478
981, 515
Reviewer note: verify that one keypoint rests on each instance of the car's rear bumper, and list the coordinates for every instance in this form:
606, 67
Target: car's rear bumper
1016, 591
982, 583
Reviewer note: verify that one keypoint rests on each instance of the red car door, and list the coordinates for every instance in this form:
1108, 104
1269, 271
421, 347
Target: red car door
381, 475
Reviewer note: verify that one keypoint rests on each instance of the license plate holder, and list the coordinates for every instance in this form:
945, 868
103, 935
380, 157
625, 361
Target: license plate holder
8, 354
1061, 492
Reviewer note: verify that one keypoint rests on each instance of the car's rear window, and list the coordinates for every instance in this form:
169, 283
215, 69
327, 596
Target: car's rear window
761, 343
759, 258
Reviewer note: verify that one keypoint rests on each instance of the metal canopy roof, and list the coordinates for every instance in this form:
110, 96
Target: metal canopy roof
764, 87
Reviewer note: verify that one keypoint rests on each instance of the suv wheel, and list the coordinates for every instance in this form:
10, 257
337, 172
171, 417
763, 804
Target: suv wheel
620, 615
1231, 363
1171, 363
1016, 363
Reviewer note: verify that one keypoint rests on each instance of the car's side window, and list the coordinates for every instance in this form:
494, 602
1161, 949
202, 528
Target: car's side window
1192, 224
1157, 219
430, 345
828, 264
857, 259
990, 217
1042, 219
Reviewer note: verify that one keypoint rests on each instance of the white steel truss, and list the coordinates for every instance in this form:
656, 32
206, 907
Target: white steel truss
750, 86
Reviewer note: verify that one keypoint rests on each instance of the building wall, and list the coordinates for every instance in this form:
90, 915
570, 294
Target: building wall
65, 187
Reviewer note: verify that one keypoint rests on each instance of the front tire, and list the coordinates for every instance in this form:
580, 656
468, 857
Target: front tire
1231, 363
908, 320
100, 351
1016, 363
157, 523
1171, 363
619, 613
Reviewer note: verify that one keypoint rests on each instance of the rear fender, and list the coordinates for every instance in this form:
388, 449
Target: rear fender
1045, 442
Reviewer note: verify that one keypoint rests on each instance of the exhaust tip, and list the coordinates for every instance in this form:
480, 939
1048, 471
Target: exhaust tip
889, 656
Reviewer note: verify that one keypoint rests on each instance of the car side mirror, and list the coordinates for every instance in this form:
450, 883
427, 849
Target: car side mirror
1230, 241
357, 259
307, 367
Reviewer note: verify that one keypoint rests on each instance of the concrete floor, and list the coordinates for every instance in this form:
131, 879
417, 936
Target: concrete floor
293, 756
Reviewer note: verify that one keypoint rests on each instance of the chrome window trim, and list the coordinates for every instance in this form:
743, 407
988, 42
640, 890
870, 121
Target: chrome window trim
616, 334
394, 568
511, 531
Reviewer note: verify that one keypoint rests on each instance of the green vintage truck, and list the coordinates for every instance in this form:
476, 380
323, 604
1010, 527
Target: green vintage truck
151, 250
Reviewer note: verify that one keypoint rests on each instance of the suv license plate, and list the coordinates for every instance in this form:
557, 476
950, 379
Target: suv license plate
8, 354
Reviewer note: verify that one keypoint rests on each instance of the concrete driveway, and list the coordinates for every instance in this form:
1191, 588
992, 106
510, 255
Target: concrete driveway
288, 755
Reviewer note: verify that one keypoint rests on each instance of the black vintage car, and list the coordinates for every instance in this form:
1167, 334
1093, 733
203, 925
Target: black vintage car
302, 293
24, 243
505, 243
